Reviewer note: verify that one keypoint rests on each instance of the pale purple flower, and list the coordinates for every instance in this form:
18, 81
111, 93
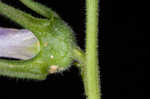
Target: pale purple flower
19, 44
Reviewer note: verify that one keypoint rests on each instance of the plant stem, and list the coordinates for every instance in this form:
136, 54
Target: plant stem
91, 75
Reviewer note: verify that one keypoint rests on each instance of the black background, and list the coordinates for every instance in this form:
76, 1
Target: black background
127, 49
67, 85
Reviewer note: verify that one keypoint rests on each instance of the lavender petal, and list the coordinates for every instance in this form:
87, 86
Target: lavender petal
19, 44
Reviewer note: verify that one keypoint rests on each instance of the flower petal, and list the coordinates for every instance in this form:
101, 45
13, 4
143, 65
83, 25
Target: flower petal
18, 44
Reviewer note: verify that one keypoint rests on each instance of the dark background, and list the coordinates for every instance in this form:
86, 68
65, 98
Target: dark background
67, 85
127, 49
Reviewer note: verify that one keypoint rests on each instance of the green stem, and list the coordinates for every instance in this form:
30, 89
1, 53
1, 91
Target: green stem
79, 56
88, 63
91, 68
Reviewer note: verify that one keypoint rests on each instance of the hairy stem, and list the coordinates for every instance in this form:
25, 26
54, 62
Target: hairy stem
91, 76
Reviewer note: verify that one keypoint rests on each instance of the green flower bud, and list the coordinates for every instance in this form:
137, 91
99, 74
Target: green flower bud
56, 43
